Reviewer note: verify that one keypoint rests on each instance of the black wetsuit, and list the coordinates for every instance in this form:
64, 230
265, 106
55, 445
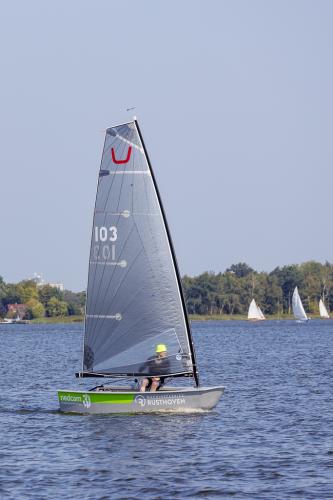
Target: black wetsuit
155, 367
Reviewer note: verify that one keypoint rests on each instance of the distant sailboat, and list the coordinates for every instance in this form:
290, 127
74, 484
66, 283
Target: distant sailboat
255, 313
297, 306
322, 310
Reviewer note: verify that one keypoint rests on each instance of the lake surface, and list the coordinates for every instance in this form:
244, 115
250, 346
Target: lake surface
271, 435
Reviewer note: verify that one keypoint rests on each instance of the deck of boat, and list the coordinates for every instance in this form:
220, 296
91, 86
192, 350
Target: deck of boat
163, 389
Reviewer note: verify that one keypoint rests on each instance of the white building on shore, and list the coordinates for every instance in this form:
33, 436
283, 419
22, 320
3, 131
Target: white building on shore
38, 278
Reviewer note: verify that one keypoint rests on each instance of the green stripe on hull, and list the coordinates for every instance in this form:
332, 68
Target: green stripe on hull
91, 397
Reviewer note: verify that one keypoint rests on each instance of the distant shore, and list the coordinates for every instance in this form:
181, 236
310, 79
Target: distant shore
58, 319
239, 317
233, 317
192, 317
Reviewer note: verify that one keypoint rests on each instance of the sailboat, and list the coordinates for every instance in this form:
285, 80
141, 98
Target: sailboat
297, 307
255, 313
135, 305
322, 310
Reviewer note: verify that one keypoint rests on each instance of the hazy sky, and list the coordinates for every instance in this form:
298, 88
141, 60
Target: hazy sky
234, 99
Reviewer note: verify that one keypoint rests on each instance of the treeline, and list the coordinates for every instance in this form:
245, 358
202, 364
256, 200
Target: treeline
207, 294
39, 301
232, 291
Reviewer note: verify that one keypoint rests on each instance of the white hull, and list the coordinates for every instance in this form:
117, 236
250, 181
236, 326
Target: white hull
122, 400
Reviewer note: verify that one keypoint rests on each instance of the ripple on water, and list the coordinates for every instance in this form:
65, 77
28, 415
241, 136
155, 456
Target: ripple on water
270, 436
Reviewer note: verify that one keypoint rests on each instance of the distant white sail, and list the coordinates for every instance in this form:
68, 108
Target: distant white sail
261, 313
322, 310
255, 312
298, 309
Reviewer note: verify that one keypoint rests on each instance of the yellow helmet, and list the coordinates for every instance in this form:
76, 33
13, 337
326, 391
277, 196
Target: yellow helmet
161, 348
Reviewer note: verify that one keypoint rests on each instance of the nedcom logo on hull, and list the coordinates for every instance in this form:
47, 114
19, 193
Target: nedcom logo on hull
85, 399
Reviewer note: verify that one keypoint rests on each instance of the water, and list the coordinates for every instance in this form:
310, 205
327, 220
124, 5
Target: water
271, 436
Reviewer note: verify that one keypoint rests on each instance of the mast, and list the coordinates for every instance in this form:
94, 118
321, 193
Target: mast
173, 254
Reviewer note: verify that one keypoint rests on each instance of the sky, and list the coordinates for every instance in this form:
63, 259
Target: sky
234, 99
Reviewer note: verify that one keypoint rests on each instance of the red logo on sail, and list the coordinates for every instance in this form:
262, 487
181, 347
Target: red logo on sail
121, 162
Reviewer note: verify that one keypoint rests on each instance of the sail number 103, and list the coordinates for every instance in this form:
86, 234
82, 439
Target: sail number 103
103, 233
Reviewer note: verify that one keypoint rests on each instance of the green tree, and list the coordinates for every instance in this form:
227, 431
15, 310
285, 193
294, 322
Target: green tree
75, 302
194, 295
35, 309
26, 290
12, 296
288, 277
231, 293
207, 284
74, 309
46, 292
3, 292
2, 287
240, 270
56, 307
327, 289
272, 296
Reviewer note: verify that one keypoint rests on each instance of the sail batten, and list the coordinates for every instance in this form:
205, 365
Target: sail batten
124, 172
134, 296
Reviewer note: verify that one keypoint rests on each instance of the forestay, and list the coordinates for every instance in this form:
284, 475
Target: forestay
134, 298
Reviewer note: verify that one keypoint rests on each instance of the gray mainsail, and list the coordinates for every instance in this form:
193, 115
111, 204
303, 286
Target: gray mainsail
134, 296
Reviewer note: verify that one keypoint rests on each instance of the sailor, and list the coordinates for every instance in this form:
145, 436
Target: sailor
159, 363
